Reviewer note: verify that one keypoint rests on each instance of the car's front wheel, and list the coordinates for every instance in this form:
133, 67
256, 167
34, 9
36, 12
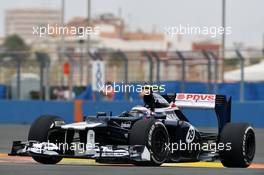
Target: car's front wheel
154, 135
39, 131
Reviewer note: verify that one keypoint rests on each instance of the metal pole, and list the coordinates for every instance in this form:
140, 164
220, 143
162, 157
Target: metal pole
242, 81
88, 45
123, 55
41, 79
88, 23
70, 76
209, 77
81, 61
156, 56
215, 71
223, 37
70, 79
149, 58
18, 78
93, 58
183, 73
61, 50
47, 88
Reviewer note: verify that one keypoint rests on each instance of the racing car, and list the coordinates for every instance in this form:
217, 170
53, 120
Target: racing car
147, 135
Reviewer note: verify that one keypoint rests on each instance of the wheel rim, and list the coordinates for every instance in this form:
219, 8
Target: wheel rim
250, 146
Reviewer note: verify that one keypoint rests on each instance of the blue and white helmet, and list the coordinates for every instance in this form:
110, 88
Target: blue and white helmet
145, 111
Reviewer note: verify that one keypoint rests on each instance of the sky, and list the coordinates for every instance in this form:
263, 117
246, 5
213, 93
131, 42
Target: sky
245, 17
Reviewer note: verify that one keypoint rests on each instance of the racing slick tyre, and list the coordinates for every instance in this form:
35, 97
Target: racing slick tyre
154, 135
241, 138
39, 131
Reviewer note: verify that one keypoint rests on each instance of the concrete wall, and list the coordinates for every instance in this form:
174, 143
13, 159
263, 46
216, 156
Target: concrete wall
27, 111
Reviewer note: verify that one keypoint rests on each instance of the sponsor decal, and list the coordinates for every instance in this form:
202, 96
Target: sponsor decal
244, 144
91, 137
180, 96
171, 116
196, 97
150, 133
126, 124
190, 134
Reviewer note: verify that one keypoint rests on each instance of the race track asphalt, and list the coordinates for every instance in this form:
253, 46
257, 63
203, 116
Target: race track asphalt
26, 166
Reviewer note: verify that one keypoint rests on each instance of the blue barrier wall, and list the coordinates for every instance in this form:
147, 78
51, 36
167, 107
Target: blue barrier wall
27, 111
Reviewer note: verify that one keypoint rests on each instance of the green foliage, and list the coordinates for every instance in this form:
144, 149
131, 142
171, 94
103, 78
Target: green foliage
231, 62
15, 47
254, 61
115, 60
43, 58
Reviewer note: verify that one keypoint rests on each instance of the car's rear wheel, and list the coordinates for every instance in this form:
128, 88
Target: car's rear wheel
39, 131
154, 135
241, 138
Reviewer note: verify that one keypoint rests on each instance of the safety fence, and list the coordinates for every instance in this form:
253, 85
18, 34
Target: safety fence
26, 111
72, 68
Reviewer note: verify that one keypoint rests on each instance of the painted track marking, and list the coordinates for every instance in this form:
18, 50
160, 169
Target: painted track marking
4, 158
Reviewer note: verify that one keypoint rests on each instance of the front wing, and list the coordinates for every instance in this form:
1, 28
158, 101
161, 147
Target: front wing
45, 149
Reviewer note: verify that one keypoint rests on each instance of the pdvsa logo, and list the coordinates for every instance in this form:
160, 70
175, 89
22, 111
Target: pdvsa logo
180, 96
196, 97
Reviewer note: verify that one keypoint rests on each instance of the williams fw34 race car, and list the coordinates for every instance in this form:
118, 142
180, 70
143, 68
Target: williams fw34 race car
148, 135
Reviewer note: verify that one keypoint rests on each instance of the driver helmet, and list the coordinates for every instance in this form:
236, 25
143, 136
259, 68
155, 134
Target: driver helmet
145, 111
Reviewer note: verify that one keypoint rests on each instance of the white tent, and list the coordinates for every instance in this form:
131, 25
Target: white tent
29, 82
251, 73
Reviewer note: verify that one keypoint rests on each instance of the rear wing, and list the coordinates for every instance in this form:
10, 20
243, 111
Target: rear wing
219, 103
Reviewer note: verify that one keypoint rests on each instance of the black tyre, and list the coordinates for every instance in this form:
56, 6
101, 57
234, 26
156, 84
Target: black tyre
241, 136
39, 131
154, 135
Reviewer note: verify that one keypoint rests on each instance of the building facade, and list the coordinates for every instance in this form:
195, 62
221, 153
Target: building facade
21, 21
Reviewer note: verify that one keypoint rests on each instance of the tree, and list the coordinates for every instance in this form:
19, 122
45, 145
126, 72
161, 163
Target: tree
44, 60
115, 60
15, 48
